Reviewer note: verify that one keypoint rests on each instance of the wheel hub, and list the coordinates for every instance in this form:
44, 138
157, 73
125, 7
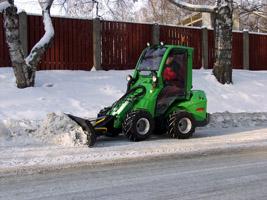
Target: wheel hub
184, 125
142, 126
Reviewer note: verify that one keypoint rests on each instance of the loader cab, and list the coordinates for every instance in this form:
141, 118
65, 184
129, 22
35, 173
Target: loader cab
152, 72
159, 58
176, 76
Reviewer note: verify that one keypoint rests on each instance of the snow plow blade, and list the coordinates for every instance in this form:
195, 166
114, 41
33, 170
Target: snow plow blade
87, 128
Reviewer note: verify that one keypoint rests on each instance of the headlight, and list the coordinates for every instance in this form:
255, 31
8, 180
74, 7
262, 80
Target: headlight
154, 78
129, 77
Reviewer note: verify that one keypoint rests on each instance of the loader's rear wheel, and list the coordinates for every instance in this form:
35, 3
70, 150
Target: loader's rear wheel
138, 125
181, 125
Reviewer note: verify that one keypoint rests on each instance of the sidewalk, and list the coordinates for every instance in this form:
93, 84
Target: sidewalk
28, 160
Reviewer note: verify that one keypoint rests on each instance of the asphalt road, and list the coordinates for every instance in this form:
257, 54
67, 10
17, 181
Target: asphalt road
235, 176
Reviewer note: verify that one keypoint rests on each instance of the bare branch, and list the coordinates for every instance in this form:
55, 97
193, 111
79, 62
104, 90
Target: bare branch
193, 8
260, 14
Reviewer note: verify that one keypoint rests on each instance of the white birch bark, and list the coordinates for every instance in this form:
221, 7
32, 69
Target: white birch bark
25, 69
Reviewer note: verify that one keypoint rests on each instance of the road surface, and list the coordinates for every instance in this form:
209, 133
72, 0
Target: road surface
236, 176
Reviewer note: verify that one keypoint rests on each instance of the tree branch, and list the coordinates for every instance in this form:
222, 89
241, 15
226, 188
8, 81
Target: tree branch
4, 5
193, 8
260, 14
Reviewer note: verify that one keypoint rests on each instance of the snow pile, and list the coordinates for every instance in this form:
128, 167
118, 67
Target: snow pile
232, 120
23, 112
18, 133
61, 130
57, 130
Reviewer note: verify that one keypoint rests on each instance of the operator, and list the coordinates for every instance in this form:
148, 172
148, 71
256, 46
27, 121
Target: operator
171, 72
172, 88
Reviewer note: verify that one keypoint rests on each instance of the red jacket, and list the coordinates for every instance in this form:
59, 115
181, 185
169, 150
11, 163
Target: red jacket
169, 74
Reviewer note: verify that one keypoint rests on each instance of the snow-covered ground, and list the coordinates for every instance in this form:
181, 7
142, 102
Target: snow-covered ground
85, 93
29, 135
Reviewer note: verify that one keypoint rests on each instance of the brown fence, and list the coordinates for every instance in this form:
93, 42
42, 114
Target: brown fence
4, 56
258, 51
122, 43
72, 47
237, 53
183, 36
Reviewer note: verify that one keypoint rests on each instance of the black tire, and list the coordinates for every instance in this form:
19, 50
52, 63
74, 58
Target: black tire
181, 125
138, 125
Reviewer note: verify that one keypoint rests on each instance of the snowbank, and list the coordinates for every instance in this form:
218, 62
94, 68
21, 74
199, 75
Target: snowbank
59, 130
34, 132
25, 118
85, 93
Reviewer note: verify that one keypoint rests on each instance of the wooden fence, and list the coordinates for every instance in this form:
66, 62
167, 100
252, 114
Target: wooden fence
258, 51
121, 43
72, 47
184, 36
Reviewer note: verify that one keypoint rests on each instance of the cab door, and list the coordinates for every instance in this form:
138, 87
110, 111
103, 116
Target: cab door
174, 79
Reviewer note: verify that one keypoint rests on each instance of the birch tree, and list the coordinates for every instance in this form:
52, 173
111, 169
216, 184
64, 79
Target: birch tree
24, 66
223, 12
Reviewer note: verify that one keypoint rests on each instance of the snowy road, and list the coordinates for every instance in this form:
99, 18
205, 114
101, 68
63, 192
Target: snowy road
233, 176
28, 160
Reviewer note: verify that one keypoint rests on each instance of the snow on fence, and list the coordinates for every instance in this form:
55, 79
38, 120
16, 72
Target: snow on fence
80, 44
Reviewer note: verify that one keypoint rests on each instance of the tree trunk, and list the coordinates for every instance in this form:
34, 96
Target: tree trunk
23, 73
222, 68
223, 25
24, 69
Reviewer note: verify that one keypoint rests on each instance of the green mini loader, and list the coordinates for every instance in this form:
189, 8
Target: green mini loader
158, 100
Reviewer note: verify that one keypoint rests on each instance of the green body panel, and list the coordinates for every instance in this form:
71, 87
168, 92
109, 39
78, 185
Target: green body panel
192, 101
198, 100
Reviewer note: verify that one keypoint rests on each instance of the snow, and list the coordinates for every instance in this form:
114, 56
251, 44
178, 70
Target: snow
84, 93
197, 8
33, 7
35, 132
3, 5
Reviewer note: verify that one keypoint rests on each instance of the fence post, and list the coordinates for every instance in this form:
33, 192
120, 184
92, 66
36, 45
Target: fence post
97, 43
23, 32
155, 34
205, 48
246, 49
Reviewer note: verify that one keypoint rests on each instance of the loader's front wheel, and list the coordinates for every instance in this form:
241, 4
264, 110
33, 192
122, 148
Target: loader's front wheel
138, 125
181, 125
